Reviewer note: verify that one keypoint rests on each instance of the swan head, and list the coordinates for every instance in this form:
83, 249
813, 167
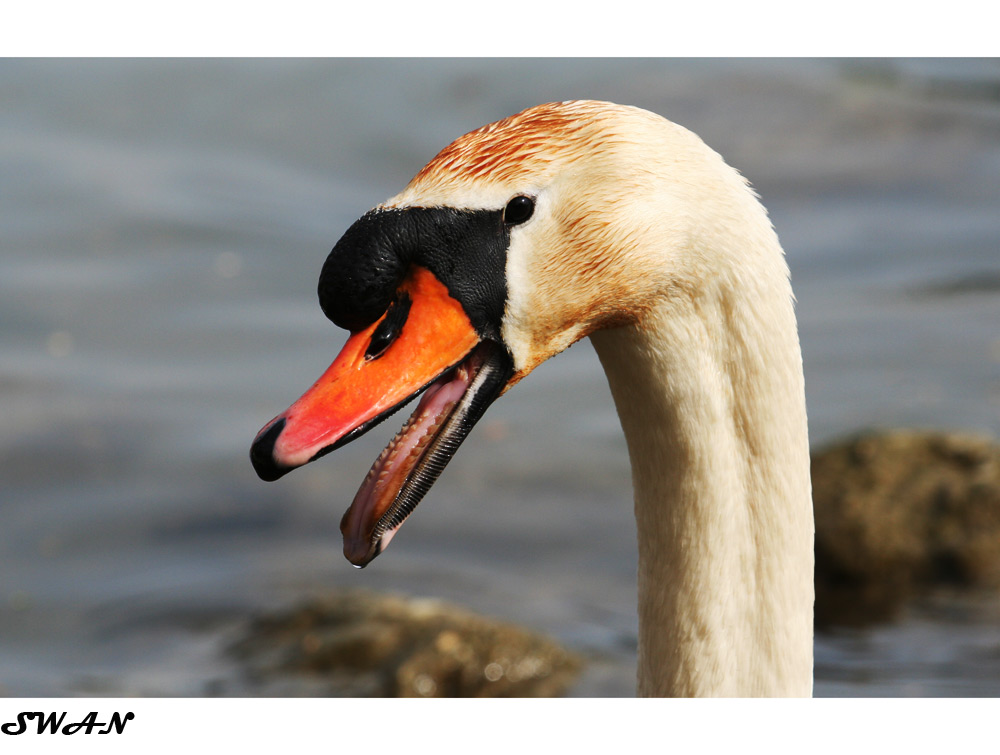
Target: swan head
514, 242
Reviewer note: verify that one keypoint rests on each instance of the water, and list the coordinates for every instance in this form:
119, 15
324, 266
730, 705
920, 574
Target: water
163, 224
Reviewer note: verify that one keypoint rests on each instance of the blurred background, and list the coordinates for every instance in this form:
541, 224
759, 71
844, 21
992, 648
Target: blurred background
162, 228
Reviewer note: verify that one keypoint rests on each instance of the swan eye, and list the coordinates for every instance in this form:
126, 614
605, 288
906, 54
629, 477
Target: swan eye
518, 210
389, 329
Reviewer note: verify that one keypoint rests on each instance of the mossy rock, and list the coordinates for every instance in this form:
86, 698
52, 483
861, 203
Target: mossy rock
365, 645
898, 512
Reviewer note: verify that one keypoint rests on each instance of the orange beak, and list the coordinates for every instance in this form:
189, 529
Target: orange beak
355, 392
431, 345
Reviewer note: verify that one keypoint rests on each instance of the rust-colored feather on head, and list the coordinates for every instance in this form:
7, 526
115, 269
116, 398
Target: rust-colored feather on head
525, 148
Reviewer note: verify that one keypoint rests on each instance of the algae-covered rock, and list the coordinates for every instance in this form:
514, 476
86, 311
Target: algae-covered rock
364, 645
900, 511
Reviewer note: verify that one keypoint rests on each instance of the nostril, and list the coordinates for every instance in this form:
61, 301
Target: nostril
389, 329
262, 453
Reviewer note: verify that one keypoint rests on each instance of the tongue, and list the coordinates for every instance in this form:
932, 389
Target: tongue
394, 465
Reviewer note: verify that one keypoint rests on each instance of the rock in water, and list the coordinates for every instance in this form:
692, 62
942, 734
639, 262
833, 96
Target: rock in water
365, 645
901, 511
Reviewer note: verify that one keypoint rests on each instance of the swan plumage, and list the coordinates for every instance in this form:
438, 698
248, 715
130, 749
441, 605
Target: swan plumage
630, 230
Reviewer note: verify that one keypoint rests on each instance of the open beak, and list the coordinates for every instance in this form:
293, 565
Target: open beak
424, 341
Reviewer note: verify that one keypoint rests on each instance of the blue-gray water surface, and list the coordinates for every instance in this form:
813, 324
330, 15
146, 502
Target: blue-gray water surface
162, 227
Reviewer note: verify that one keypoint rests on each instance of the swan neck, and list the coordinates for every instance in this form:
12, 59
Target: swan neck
710, 395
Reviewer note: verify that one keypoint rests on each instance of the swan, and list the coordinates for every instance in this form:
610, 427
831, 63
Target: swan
577, 219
